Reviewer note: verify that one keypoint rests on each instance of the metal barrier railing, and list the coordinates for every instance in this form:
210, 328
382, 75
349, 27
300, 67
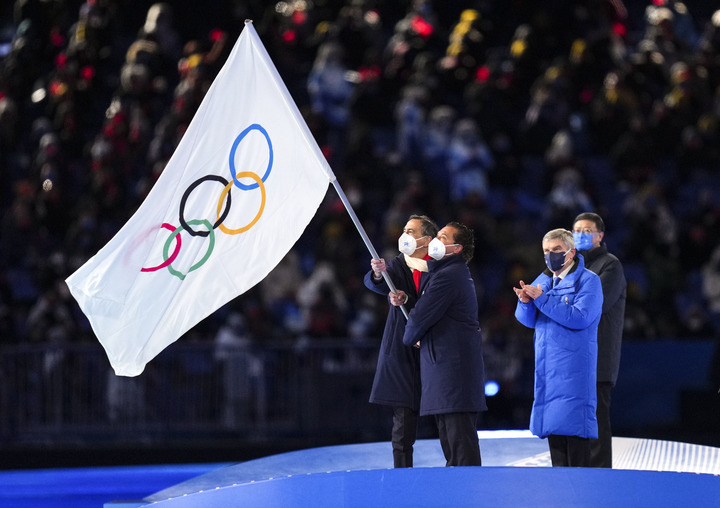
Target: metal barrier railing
69, 392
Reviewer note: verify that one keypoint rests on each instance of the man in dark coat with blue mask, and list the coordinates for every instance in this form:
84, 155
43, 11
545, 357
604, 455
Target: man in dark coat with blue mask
397, 377
588, 233
444, 326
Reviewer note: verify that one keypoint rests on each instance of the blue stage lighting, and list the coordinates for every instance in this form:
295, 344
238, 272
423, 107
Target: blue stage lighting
491, 388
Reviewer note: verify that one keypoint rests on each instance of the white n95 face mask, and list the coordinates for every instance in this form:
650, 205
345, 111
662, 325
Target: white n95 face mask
436, 249
407, 244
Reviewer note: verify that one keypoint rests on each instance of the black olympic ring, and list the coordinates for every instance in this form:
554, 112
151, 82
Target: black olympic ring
190, 188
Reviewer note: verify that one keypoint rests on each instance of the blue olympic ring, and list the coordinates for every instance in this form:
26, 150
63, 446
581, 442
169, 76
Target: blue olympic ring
240, 137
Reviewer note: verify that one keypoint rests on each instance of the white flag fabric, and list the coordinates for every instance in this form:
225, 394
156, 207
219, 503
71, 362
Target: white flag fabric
241, 187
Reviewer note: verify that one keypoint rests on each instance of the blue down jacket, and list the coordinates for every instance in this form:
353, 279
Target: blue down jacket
445, 321
397, 377
565, 319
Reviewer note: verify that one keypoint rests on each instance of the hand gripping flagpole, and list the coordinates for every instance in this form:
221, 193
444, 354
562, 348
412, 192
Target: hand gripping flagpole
365, 238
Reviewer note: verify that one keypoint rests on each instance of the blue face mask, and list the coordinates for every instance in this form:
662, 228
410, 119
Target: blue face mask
583, 241
555, 260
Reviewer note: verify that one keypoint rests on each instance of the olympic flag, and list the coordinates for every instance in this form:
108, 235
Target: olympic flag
239, 190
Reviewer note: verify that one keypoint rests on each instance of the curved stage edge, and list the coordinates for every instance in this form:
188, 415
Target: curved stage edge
516, 472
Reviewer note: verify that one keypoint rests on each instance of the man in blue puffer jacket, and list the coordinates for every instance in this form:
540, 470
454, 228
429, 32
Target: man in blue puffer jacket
563, 305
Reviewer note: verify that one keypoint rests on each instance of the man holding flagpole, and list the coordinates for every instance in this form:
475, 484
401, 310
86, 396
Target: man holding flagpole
397, 377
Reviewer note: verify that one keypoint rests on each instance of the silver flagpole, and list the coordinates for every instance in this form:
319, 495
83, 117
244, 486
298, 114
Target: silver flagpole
365, 238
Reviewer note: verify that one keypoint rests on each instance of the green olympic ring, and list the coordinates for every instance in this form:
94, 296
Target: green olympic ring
166, 248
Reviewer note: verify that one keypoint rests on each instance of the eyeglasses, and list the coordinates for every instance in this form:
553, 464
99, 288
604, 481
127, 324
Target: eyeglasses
586, 231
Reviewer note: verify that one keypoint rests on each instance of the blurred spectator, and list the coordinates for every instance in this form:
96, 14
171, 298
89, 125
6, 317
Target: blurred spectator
567, 198
50, 319
159, 27
435, 142
469, 160
410, 116
323, 304
330, 93
279, 292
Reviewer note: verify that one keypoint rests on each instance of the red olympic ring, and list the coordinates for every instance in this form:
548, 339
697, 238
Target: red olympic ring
172, 257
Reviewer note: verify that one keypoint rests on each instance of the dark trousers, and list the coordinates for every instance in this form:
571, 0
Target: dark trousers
404, 433
601, 448
569, 451
459, 439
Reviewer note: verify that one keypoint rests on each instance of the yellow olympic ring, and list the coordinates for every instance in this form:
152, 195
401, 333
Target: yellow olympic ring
227, 188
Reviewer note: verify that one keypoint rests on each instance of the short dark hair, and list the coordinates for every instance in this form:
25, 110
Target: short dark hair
466, 237
599, 224
428, 227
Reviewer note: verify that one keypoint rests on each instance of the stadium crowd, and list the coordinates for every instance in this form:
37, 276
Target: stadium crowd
510, 116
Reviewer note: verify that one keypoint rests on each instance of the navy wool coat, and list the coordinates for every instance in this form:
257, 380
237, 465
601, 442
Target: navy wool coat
445, 321
397, 376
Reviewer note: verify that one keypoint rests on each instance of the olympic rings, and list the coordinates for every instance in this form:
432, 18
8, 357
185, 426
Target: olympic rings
174, 254
240, 137
197, 265
221, 214
183, 202
226, 190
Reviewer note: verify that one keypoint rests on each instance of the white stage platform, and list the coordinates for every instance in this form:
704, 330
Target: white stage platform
516, 472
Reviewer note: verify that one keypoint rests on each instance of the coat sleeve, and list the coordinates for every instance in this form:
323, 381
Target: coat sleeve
582, 311
429, 309
526, 313
396, 268
379, 286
